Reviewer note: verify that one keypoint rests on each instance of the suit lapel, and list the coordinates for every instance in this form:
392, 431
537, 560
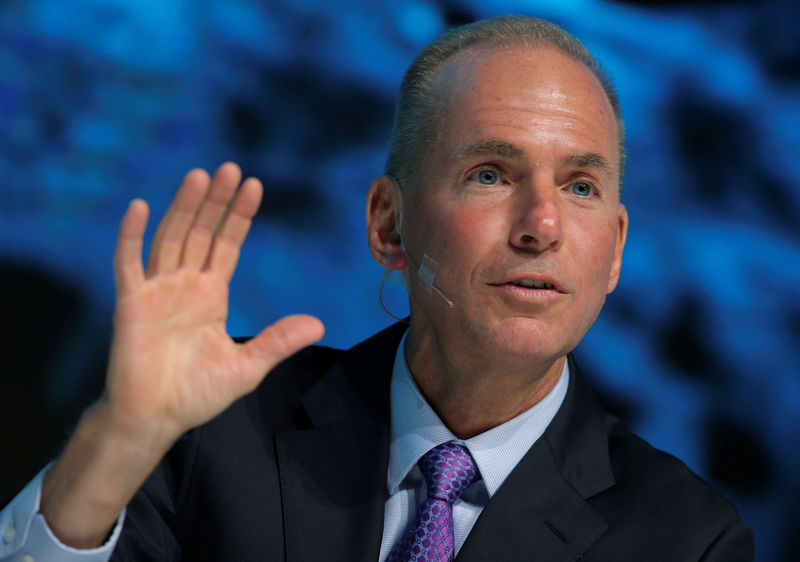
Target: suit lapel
540, 512
333, 476
535, 515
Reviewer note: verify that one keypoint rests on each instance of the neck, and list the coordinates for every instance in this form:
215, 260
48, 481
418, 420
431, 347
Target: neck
473, 392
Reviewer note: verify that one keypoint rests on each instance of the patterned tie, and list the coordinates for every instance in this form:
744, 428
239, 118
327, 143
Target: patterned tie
448, 470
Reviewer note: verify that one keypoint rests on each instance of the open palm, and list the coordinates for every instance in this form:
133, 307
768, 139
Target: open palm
172, 364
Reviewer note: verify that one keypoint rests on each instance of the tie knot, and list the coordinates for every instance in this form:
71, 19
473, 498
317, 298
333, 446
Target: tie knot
448, 470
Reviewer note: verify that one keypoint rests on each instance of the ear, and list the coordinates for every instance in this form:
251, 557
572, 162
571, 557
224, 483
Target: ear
383, 230
622, 234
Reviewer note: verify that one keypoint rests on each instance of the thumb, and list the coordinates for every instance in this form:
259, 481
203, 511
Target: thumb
284, 338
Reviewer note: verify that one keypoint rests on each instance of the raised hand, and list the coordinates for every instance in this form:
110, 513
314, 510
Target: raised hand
172, 364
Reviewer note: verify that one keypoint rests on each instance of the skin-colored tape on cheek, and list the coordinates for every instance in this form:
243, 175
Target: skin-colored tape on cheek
427, 272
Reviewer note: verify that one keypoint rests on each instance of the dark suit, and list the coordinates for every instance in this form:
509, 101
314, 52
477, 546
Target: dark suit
297, 471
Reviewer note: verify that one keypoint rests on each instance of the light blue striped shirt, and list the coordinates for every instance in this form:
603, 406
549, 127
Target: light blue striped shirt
416, 429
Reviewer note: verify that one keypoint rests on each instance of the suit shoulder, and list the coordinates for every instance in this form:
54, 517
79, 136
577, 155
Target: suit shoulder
658, 504
282, 388
275, 403
300, 371
660, 487
636, 463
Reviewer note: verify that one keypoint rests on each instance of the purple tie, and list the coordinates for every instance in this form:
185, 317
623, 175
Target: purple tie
448, 470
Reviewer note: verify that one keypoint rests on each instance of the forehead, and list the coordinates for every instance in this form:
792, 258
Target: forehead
530, 93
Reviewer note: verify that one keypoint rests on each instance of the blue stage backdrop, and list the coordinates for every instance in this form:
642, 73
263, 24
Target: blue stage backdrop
103, 101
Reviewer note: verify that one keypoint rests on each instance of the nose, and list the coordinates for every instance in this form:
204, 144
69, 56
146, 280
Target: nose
537, 223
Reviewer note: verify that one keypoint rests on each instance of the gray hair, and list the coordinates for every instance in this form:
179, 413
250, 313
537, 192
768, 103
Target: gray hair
416, 116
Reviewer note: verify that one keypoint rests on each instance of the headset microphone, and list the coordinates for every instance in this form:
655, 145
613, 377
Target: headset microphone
426, 271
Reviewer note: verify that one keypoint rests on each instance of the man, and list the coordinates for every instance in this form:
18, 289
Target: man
469, 434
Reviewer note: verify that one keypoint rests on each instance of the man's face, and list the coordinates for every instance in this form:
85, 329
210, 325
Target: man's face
518, 203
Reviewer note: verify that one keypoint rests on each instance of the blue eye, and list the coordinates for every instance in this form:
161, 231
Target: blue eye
581, 188
486, 176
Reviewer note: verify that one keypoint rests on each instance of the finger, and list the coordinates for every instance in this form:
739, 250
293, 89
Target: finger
282, 339
233, 230
128, 270
207, 220
170, 236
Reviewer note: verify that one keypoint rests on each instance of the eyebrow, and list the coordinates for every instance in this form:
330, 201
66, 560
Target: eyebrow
586, 160
491, 147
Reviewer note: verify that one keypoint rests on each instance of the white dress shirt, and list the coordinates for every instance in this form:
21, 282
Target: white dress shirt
26, 537
416, 429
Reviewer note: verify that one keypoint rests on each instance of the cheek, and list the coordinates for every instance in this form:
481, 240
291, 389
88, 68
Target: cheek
594, 254
468, 231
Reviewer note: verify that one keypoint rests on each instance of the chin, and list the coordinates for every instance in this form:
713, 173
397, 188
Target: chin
526, 338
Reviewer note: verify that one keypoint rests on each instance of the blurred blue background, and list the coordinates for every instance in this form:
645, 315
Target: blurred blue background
103, 101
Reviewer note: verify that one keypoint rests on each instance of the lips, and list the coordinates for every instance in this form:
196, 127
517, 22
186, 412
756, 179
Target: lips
531, 281
532, 284
529, 291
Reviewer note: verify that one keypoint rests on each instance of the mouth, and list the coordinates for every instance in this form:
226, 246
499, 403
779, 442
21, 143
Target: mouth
531, 288
531, 284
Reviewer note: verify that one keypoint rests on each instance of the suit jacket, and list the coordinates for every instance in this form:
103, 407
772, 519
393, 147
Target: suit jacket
297, 471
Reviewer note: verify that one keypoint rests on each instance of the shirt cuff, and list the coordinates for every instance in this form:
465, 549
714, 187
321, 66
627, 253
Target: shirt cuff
26, 537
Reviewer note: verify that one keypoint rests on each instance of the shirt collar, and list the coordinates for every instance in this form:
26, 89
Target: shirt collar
416, 429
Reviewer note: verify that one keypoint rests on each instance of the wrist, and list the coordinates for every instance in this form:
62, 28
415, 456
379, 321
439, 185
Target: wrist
105, 462
134, 434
